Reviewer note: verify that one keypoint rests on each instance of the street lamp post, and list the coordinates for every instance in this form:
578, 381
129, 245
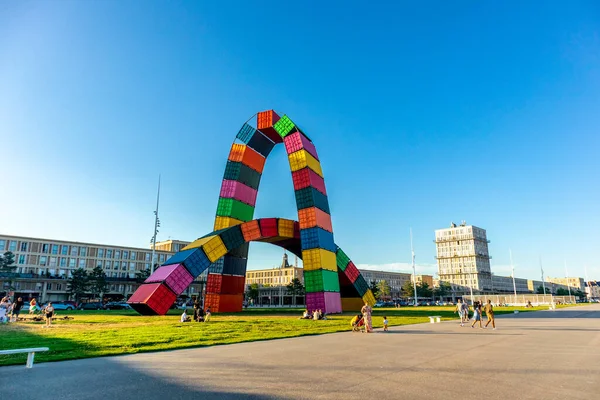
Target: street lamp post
156, 225
513, 274
413, 266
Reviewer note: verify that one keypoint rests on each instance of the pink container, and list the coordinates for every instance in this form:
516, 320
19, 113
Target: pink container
297, 141
329, 302
239, 191
333, 302
175, 276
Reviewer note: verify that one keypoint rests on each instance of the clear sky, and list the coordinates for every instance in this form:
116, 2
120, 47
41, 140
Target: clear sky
423, 114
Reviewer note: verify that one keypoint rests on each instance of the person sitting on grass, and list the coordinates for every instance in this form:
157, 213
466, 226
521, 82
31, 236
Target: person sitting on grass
200, 315
322, 315
207, 315
184, 317
316, 315
305, 315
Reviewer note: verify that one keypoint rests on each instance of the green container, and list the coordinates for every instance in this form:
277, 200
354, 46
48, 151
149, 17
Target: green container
284, 126
321, 280
342, 259
235, 209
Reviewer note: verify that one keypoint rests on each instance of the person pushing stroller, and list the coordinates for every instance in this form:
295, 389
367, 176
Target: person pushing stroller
357, 323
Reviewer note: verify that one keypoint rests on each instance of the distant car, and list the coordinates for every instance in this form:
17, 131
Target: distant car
378, 304
117, 305
91, 306
58, 305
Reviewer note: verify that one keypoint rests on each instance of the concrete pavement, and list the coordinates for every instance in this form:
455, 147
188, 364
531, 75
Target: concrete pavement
539, 355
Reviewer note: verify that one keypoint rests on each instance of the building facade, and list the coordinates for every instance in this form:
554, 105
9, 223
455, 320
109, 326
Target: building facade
592, 290
279, 276
571, 282
504, 284
463, 259
44, 265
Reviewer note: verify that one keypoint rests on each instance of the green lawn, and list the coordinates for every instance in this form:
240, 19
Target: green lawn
103, 333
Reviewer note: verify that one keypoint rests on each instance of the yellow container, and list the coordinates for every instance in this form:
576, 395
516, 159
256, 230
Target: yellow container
198, 243
303, 158
352, 303
225, 222
369, 298
314, 259
214, 248
286, 228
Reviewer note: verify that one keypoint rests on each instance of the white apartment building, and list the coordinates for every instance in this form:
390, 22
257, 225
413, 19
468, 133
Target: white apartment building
463, 259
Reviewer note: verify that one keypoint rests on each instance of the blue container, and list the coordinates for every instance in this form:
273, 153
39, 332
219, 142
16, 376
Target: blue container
361, 285
196, 263
180, 257
232, 237
261, 143
216, 267
240, 252
234, 266
246, 133
311, 197
317, 238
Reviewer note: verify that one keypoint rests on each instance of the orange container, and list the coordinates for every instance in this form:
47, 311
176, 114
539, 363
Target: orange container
253, 159
312, 216
251, 230
237, 152
265, 122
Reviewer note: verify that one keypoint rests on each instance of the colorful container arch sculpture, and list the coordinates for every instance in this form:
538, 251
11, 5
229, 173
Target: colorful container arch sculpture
332, 281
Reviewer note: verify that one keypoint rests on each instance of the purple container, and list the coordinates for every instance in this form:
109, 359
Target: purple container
297, 141
239, 191
175, 276
329, 302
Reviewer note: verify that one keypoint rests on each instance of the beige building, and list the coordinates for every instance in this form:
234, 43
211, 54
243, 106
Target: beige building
592, 289
279, 276
463, 259
572, 282
504, 284
43, 265
395, 279
428, 279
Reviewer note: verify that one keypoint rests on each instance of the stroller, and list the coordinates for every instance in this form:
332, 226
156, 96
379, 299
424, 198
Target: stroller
358, 324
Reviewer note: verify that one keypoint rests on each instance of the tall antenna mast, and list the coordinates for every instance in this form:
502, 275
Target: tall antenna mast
513, 274
156, 225
542, 269
567, 276
412, 251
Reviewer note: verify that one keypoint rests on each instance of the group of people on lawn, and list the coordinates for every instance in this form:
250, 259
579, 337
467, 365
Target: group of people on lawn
199, 314
315, 315
10, 311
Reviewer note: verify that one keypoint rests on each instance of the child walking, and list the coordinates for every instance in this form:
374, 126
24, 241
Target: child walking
385, 324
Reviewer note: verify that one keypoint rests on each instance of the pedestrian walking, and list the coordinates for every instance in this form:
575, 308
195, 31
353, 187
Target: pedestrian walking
16, 309
385, 324
489, 312
461, 312
476, 314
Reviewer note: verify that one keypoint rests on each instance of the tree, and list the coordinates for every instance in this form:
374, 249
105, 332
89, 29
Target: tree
7, 267
384, 290
375, 289
562, 292
252, 292
141, 276
579, 293
295, 288
423, 289
540, 290
78, 283
7, 262
408, 290
445, 289
97, 282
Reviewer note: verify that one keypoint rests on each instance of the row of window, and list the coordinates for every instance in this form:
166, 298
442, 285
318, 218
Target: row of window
45, 261
81, 251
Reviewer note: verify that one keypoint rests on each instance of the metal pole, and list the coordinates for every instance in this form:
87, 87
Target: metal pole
414, 268
155, 228
542, 269
567, 276
513, 274
587, 284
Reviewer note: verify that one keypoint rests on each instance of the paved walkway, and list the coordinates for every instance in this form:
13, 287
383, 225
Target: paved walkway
541, 355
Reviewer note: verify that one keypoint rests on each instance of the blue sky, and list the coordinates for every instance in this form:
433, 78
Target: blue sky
422, 114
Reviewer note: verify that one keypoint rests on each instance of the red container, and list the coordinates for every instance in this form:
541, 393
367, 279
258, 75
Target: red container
268, 227
297, 141
224, 302
239, 191
351, 272
213, 283
265, 122
152, 298
306, 177
251, 231
233, 284
175, 276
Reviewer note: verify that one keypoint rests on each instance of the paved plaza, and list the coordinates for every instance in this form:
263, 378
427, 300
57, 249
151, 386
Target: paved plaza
539, 355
